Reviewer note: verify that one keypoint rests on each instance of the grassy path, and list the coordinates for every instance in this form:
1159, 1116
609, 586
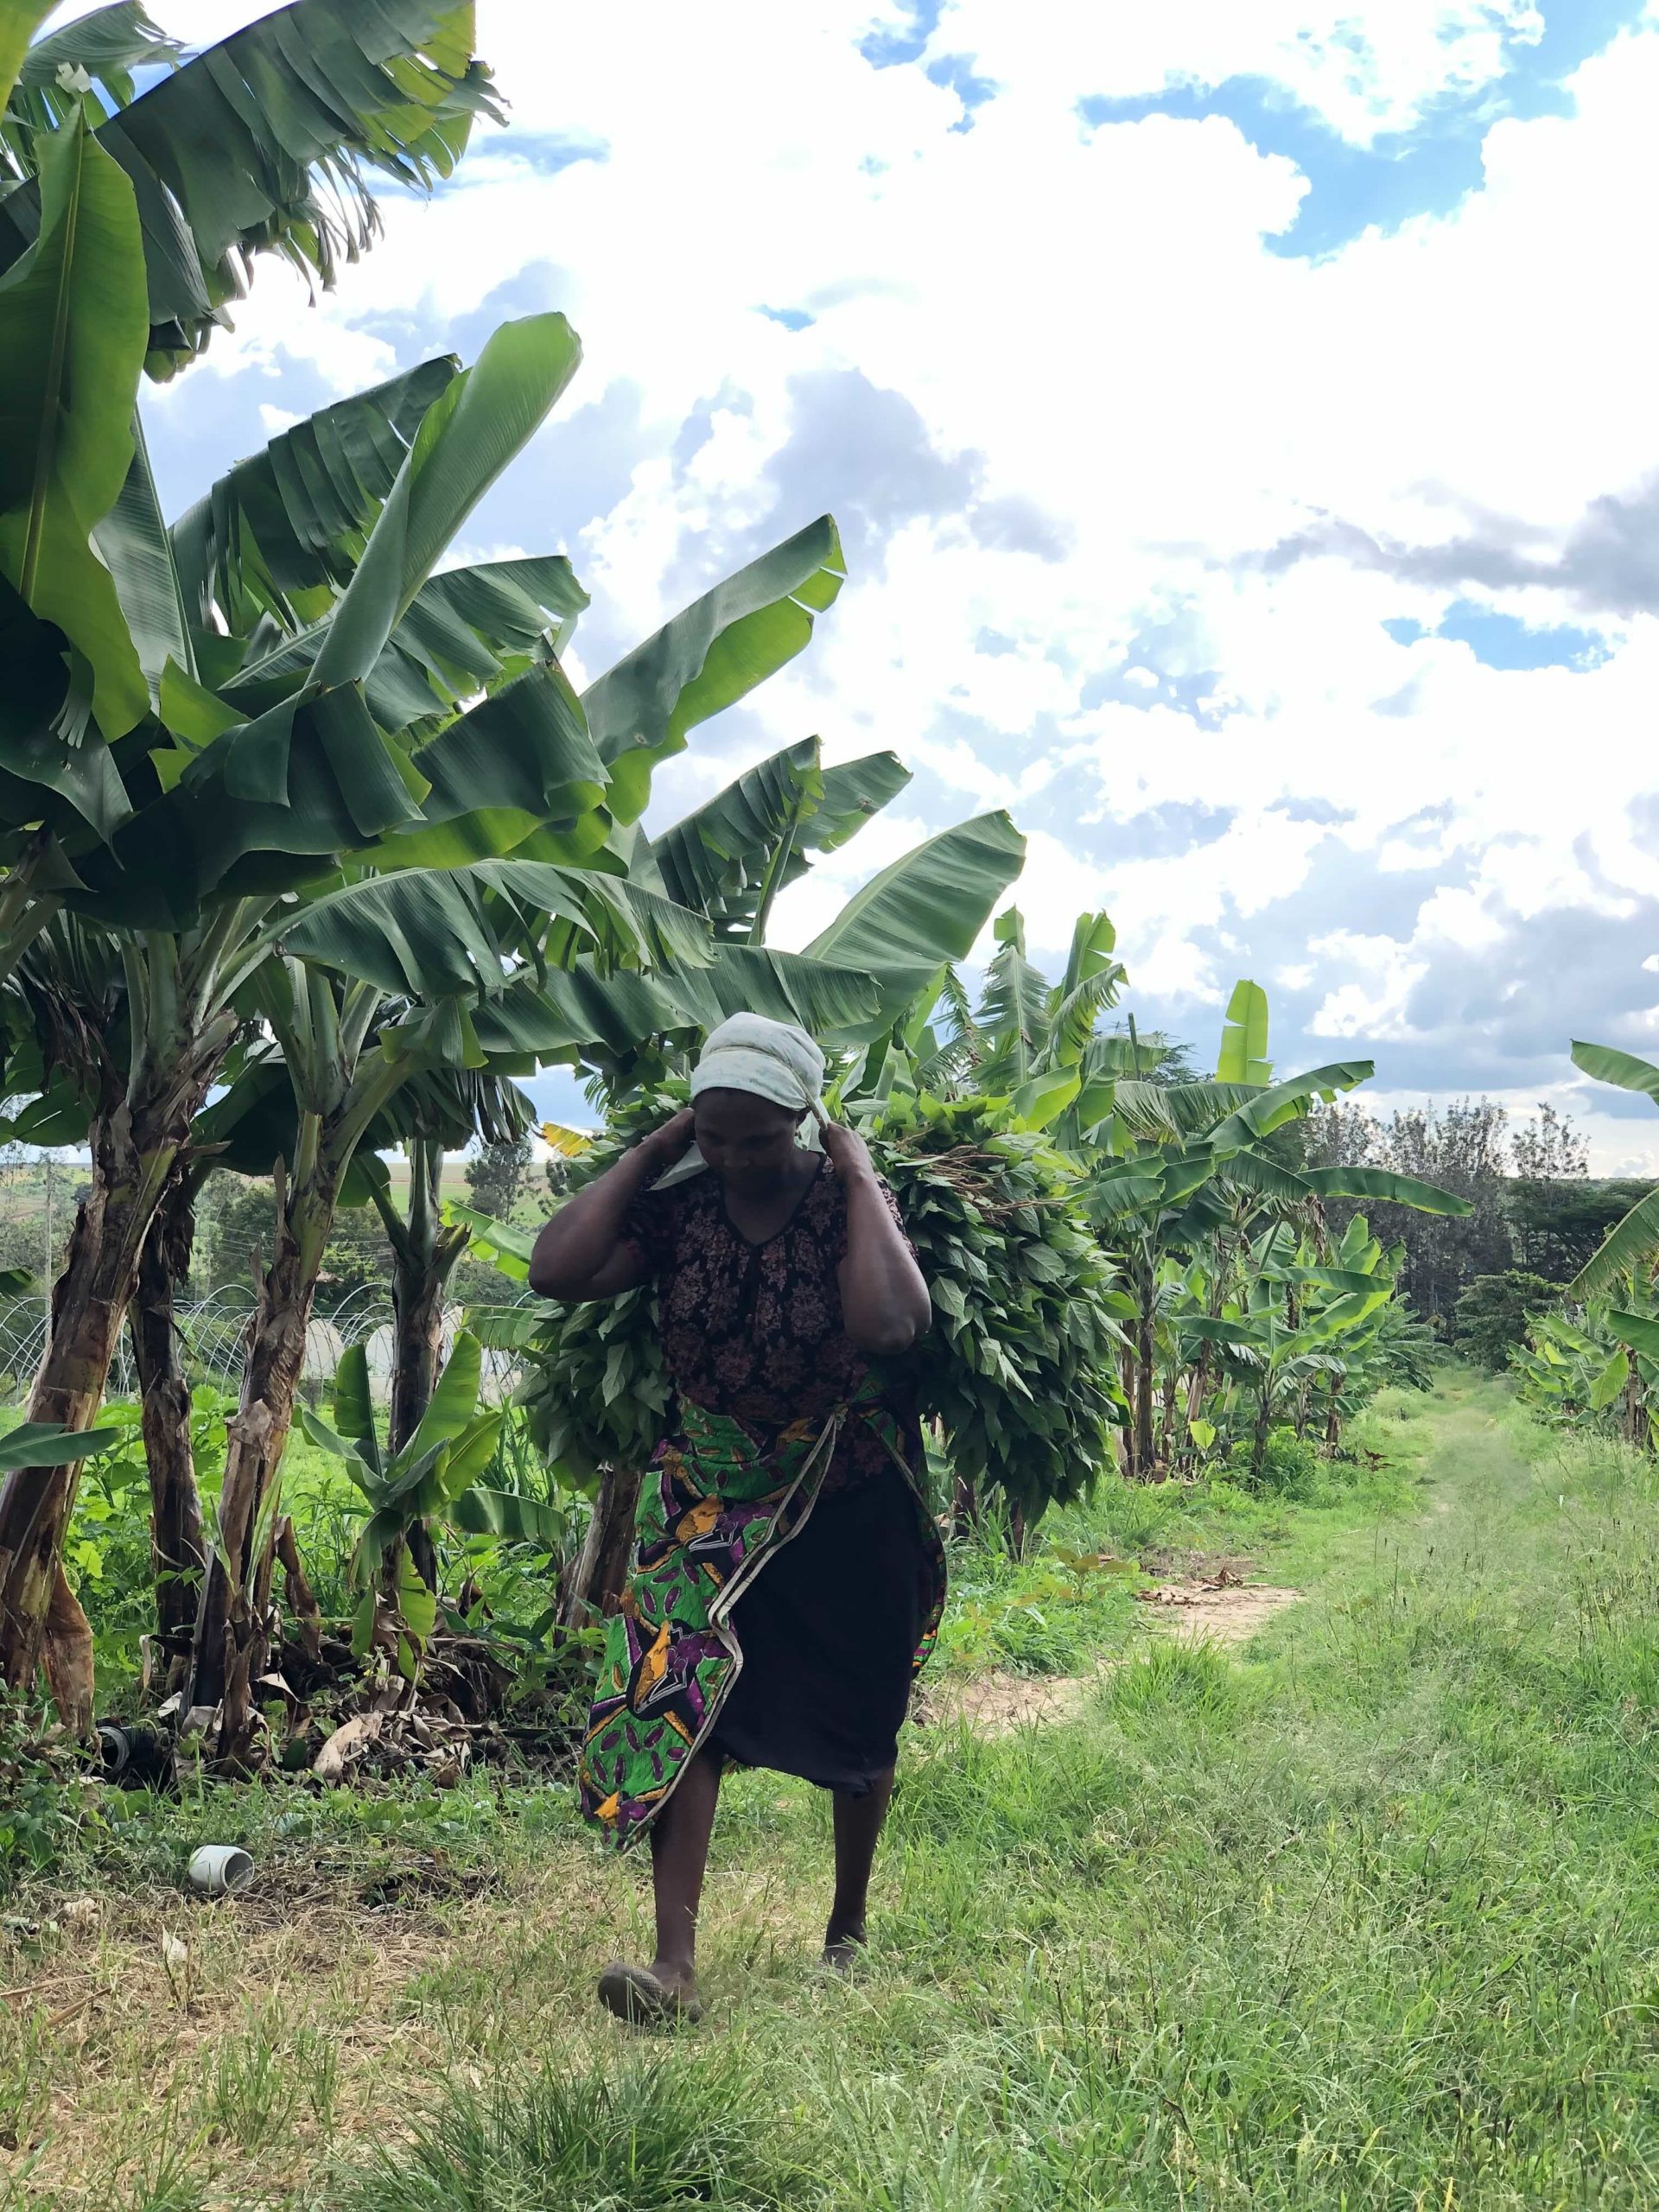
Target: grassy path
1363, 1913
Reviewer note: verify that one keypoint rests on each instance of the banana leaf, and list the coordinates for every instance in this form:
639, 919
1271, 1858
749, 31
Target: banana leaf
1244, 1037
1381, 1183
1283, 1101
710, 655
43, 1444
1607, 1064
1628, 1245
72, 335
508, 1515
929, 906
481, 421
1639, 1331
290, 520
263, 144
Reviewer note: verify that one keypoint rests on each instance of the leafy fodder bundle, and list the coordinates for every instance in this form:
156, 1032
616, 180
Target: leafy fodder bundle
1019, 1368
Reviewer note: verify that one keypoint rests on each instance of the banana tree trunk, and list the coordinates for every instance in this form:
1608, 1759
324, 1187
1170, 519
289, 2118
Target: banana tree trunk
1263, 1422
178, 1556
234, 1624
1197, 1389
1333, 1422
1146, 1379
964, 1503
423, 1257
1638, 1428
1304, 1407
136, 1141
42, 1623
1172, 1388
598, 1578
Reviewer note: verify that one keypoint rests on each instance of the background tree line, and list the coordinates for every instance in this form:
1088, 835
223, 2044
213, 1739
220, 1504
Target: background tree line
1537, 1216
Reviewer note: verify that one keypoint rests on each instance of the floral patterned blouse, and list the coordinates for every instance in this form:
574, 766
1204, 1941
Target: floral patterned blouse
754, 1330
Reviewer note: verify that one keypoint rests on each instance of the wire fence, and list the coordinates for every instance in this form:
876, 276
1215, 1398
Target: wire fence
213, 1337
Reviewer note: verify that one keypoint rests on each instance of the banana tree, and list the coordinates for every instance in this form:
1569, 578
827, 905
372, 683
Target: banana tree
117, 250
1290, 1329
1632, 1381
1035, 1042
1201, 1150
191, 884
435, 1477
1178, 1164
439, 1110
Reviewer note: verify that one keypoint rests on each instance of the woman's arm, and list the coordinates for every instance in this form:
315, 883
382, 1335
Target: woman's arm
885, 1305
579, 1252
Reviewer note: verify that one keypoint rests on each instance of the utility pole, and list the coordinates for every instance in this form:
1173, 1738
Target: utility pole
46, 1271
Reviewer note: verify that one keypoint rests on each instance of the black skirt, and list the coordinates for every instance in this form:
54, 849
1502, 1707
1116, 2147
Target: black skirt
828, 1630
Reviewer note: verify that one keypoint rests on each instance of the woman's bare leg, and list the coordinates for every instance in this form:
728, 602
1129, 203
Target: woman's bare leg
858, 1830
679, 1853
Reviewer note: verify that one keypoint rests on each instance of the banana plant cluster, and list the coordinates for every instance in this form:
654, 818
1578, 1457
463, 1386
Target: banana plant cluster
1296, 1341
436, 1477
314, 820
1596, 1368
1179, 1175
129, 225
1593, 1363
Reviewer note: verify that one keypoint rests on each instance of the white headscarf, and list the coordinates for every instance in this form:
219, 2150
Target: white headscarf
769, 1059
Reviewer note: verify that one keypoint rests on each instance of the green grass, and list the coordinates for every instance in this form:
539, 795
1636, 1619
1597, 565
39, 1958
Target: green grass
1361, 1915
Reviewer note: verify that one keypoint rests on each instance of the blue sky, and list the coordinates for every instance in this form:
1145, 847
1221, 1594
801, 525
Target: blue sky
1240, 423
1427, 167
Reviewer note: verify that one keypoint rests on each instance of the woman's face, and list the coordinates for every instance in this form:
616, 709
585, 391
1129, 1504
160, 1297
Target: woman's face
748, 1142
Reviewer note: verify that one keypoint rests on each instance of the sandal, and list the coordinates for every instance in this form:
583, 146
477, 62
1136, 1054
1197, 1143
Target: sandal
636, 1996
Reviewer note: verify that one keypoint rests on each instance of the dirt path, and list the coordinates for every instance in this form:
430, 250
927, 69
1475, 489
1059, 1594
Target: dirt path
1220, 1609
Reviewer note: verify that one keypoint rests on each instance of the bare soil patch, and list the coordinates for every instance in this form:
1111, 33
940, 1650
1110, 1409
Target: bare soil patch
1216, 1612
1175, 1566
1215, 1607
994, 1703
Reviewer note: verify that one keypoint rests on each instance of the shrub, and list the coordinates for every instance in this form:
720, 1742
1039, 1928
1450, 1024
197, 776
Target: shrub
1290, 1466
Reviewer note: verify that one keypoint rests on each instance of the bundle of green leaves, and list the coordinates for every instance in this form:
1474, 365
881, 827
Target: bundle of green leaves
1020, 1368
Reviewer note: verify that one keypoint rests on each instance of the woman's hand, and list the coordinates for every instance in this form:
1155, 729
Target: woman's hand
848, 1153
667, 1146
581, 1252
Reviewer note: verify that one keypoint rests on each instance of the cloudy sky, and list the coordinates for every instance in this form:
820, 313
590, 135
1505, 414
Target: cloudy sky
1241, 423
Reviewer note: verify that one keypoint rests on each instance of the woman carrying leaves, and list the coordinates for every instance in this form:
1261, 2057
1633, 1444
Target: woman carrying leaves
787, 1579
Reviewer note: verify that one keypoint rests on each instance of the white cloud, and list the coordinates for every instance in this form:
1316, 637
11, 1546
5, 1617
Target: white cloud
1364, 69
1374, 1007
